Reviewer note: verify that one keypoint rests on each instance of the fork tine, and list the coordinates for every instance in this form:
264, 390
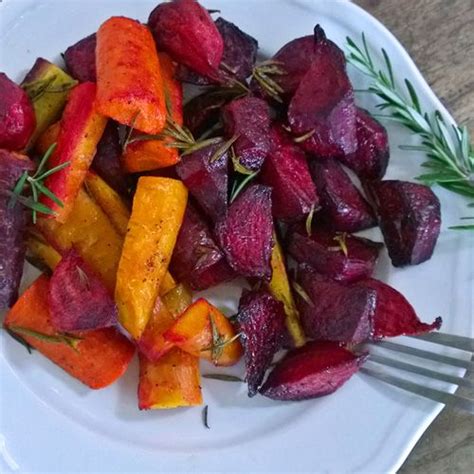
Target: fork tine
450, 399
421, 371
459, 342
466, 364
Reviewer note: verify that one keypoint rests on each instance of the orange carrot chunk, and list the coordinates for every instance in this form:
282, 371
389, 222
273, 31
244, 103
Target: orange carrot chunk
129, 82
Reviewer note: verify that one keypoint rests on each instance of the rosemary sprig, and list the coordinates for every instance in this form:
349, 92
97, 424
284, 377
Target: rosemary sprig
238, 166
302, 293
263, 73
222, 377
205, 417
238, 187
35, 184
341, 240
450, 153
219, 342
20, 340
59, 338
309, 221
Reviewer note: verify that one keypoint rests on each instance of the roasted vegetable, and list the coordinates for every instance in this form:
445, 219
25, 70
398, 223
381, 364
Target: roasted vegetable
207, 180
370, 160
248, 119
343, 207
129, 91
49, 87
341, 257
170, 382
91, 233
158, 210
47, 138
261, 321
80, 59
279, 287
80, 132
144, 154
40, 254
197, 259
185, 30
99, 357
332, 311
317, 369
323, 104
245, 234
410, 220
17, 116
203, 331
286, 171
238, 59
12, 226
394, 315
177, 299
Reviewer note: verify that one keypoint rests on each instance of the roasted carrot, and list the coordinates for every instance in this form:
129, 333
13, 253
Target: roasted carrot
157, 214
129, 82
39, 252
99, 358
145, 155
81, 129
47, 138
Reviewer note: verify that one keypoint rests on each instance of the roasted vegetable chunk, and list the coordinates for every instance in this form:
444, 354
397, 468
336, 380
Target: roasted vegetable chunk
12, 228
78, 299
410, 219
342, 206
341, 257
331, 311
245, 234
317, 369
261, 321
80, 59
17, 116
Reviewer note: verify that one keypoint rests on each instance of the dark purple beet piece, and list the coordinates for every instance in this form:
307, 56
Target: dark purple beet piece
286, 171
240, 54
410, 219
324, 103
343, 206
249, 119
334, 311
370, 160
261, 321
207, 181
106, 161
324, 252
314, 370
80, 59
78, 300
197, 260
12, 226
17, 116
245, 234
394, 315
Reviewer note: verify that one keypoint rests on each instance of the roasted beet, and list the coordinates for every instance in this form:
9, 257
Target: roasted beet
249, 119
341, 257
12, 226
394, 315
185, 30
17, 116
332, 311
240, 53
314, 370
370, 160
324, 103
410, 219
78, 300
286, 171
207, 180
106, 161
245, 234
197, 260
343, 206
80, 59
261, 321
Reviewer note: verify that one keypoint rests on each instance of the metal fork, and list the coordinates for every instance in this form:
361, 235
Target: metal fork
449, 340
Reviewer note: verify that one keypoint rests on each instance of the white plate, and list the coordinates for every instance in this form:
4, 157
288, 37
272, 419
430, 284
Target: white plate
49, 422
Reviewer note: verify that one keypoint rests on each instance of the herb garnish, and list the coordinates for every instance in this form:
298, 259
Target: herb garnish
219, 342
222, 377
59, 338
205, 416
341, 240
302, 293
262, 74
238, 187
309, 221
20, 340
36, 184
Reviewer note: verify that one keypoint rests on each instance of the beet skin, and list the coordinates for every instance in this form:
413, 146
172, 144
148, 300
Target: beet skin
80, 59
261, 321
410, 220
245, 234
314, 370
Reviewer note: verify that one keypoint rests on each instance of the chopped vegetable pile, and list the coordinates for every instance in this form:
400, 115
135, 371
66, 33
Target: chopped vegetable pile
128, 200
